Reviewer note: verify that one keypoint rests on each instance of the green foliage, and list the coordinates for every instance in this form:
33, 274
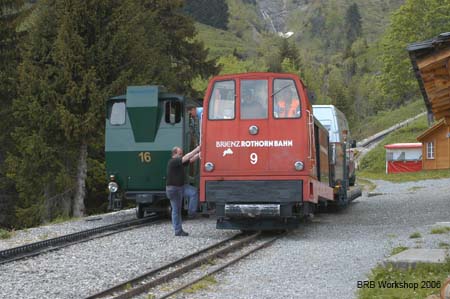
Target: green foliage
232, 65
10, 13
353, 24
209, 12
422, 272
444, 245
245, 22
5, 234
386, 119
416, 20
201, 285
415, 235
440, 230
286, 51
220, 42
398, 249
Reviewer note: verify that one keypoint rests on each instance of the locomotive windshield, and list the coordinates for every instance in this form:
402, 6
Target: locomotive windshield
222, 101
254, 99
286, 99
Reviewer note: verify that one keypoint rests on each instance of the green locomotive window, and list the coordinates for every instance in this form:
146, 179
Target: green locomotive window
286, 100
117, 115
173, 112
222, 102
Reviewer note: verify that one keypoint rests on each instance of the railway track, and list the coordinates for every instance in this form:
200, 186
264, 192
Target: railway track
201, 264
33, 249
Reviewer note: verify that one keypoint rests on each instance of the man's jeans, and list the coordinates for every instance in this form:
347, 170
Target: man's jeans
175, 194
192, 194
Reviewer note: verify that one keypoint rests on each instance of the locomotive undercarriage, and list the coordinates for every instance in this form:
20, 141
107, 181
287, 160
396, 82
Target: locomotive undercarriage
149, 202
256, 204
259, 216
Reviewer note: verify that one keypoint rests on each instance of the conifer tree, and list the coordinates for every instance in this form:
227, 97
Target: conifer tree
9, 59
353, 24
79, 54
287, 50
209, 12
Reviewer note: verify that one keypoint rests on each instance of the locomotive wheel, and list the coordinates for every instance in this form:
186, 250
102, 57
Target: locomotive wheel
139, 211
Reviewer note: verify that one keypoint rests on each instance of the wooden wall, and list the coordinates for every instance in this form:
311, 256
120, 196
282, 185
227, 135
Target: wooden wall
441, 149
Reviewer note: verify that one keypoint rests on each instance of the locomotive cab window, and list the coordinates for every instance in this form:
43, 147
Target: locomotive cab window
173, 112
254, 98
223, 101
286, 100
117, 112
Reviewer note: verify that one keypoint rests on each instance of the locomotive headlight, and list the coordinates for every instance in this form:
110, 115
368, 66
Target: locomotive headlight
113, 187
299, 165
209, 166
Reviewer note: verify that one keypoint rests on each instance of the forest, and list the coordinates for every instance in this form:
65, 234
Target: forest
61, 59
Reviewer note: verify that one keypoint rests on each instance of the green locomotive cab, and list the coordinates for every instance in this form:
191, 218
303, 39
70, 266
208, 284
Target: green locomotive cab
142, 127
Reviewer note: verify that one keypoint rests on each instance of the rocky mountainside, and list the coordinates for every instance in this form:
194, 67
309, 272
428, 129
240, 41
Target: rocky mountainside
309, 17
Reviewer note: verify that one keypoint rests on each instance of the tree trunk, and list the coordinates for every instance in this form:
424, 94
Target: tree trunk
78, 203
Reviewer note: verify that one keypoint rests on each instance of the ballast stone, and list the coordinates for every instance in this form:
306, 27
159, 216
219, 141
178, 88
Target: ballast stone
411, 257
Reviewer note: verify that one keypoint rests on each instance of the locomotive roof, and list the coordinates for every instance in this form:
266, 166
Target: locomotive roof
162, 95
255, 75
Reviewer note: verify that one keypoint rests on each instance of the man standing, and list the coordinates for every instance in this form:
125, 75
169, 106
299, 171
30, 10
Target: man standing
175, 184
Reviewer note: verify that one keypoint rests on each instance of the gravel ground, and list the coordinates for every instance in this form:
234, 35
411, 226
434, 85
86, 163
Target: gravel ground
326, 258
86, 268
323, 259
44, 232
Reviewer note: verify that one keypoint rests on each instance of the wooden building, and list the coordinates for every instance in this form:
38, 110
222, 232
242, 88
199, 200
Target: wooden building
431, 64
436, 146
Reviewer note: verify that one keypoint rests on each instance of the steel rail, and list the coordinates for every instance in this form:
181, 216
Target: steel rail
155, 277
33, 249
142, 287
227, 264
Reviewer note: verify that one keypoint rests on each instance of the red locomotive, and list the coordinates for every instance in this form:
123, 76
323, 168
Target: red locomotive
266, 161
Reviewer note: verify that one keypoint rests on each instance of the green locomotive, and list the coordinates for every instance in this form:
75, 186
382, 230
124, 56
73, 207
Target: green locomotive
142, 127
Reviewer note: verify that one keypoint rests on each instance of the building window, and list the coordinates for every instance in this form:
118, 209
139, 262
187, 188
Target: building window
430, 150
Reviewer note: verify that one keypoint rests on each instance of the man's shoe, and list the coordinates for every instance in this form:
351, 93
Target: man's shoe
182, 234
192, 217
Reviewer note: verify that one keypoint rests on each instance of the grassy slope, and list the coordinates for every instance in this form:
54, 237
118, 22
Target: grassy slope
219, 42
386, 119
